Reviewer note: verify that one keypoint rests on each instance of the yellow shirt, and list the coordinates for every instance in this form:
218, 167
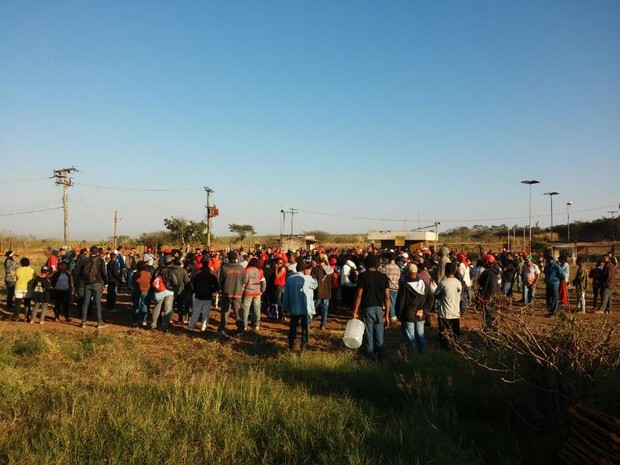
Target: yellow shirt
24, 278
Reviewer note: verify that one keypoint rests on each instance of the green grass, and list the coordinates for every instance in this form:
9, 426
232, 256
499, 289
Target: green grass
139, 398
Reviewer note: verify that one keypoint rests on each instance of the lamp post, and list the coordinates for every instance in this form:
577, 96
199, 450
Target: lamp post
551, 194
568, 204
530, 182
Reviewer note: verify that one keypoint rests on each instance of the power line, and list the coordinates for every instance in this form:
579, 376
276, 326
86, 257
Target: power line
31, 211
136, 189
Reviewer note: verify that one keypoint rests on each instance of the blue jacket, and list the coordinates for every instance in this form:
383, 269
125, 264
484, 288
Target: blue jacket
298, 295
553, 274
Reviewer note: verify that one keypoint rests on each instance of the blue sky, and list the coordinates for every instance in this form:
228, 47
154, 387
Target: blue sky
347, 111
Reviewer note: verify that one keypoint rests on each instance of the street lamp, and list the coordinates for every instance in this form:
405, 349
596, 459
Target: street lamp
568, 204
551, 194
530, 182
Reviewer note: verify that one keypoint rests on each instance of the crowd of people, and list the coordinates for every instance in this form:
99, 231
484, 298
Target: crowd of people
381, 287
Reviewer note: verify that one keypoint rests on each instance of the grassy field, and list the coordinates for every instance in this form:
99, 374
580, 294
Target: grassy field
136, 397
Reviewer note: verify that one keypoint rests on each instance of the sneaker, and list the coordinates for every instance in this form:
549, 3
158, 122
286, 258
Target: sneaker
67, 319
82, 325
203, 328
599, 311
304, 346
322, 327
102, 325
190, 328
221, 332
393, 319
257, 328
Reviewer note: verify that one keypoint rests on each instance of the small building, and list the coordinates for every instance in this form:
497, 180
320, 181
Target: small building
410, 240
298, 242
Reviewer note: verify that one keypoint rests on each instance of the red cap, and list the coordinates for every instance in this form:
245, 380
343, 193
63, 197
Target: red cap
490, 258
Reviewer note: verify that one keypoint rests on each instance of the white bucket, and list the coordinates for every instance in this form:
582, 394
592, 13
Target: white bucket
354, 334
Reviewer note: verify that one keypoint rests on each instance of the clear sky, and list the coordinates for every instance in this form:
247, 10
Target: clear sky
346, 110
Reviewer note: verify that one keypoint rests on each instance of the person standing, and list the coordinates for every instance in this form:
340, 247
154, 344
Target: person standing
164, 296
24, 287
348, 282
372, 296
41, 295
231, 288
204, 284
140, 286
563, 290
530, 274
393, 273
297, 300
595, 278
254, 286
322, 273
553, 276
94, 275
608, 281
448, 294
62, 290
9, 278
114, 272
413, 301
580, 282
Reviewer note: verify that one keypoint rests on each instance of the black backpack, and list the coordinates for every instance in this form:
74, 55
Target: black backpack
353, 275
91, 270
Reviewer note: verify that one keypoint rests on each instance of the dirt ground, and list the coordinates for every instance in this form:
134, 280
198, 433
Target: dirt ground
272, 336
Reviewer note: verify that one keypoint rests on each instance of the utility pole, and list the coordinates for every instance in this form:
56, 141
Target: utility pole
292, 211
209, 191
437, 223
115, 228
63, 179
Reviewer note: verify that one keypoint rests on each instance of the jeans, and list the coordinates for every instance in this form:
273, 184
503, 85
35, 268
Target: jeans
255, 303
553, 298
229, 304
35, 307
93, 291
507, 288
605, 299
393, 294
165, 307
129, 279
413, 333
322, 308
293, 329
581, 299
373, 331
200, 307
528, 293
140, 309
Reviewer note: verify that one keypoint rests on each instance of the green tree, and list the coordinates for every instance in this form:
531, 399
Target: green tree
184, 231
242, 231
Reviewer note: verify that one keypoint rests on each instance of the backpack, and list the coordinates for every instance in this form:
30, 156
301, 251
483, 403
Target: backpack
353, 275
91, 271
158, 284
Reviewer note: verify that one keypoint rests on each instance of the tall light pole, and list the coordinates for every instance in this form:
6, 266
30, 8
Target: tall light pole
210, 215
568, 204
530, 182
551, 194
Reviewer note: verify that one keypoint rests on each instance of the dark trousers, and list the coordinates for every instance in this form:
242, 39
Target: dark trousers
10, 293
446, 325
62, 300
295, 319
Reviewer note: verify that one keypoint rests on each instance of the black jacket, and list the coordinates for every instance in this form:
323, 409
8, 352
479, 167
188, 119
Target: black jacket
413, 296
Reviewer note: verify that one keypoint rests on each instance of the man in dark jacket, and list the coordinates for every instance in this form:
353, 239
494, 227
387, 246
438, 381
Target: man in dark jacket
489, 283
607, 281
114, 281
413, 302
231, 288
94, 274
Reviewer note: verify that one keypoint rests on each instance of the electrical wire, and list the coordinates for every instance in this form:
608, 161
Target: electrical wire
31, 211
137, 189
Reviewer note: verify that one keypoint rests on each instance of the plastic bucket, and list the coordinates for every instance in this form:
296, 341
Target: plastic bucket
354, 334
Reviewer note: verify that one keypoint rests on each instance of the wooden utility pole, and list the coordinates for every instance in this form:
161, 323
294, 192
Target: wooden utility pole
209, 191
115, 227
63, 179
